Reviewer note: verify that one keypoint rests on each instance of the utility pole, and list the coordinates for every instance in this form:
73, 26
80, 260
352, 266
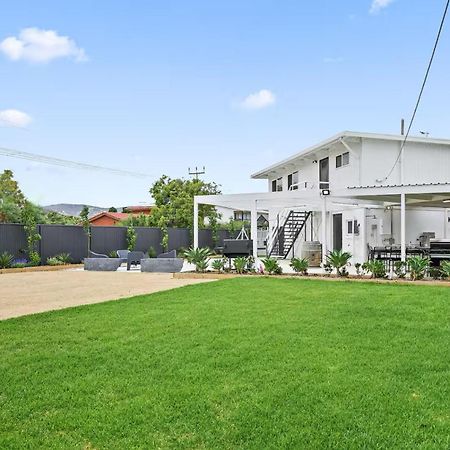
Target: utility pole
196, 172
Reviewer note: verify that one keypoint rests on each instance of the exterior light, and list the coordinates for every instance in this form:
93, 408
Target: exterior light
325, 192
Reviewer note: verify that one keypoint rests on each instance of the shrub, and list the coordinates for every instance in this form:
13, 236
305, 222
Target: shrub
435, 273
64, 258
35, 259
240, 264
359, 269
218, 264
375, 268
112, 254
151, 253
300, 265
327, 267
199, 257
339, 260
6, 260
445, 269
131, 238
271, 266
54, 261
418, 267
400, 269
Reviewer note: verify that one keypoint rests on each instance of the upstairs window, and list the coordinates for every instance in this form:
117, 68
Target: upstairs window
342, 160
243, 216
293, 181
277, 185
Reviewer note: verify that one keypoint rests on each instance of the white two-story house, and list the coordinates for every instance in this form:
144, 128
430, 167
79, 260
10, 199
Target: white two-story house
353, 191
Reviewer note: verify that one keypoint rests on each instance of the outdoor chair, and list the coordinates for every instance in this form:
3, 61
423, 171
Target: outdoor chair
171, 254
123, 255
92, 254
134, 258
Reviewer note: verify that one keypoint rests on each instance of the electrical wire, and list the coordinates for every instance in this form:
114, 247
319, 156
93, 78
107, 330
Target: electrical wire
421, 91
67, 163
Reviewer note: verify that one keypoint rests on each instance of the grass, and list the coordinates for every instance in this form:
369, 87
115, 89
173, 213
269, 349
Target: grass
241, 363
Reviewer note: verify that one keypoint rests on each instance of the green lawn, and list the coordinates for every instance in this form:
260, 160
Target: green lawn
243, 363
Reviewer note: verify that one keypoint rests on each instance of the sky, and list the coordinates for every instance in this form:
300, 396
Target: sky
156, 87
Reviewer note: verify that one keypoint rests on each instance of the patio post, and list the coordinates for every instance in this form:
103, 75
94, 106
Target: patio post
195, 223
254, 228
403, 226
324, 229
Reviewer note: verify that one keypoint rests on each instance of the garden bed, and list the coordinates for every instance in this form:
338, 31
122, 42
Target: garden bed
40, 268
224, 276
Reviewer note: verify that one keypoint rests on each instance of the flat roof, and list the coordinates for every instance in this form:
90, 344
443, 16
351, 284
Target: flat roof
264, 173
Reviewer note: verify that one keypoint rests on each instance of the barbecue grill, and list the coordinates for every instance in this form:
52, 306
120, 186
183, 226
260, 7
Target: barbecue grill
234, 248
439, 251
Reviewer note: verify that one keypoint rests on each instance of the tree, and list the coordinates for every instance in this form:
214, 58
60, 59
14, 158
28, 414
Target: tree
30, 218
174, 204
12, 199
84, 216
112, 209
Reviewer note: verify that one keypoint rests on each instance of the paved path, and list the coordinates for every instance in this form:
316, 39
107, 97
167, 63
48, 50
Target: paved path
33, 292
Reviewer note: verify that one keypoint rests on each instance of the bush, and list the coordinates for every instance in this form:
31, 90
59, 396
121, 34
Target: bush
400, 269
6, 260
359, 269
219, 264
435, 273
131, 238
271, 266
112, 254
240, 264
151, 253
35, 259
327, 267
300, 265
339, 260
375, 268
64, 258
54, 261
418, 267
199, 257
445, 269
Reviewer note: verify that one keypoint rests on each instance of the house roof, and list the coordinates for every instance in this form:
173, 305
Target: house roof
112, 215
265, 173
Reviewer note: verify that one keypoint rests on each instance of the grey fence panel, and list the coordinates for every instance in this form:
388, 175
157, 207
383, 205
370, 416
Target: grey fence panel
179, 238
57, 239
205, 238
147, 237
221, 235
108, 239
13, 240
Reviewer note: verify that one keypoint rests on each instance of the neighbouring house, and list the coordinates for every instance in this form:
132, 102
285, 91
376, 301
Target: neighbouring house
354, 191
107, 218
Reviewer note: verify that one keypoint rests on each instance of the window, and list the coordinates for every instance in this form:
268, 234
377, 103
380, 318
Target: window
342, 160
352, 227
349, 226
242, 215
277, 185
324, 174
293, 181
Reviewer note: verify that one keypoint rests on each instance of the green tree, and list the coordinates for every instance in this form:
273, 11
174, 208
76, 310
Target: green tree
112, 209
174, 202
31, 215
84, 216
12, 199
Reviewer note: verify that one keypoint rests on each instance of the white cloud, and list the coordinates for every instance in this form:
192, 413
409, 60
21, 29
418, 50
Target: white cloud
258, 100
378, 5
40, 46
14, 118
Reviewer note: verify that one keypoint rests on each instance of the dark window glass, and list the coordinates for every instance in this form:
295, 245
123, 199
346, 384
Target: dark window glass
279, 184
345, 158
338, 161
274, 185
349, 227
324, 174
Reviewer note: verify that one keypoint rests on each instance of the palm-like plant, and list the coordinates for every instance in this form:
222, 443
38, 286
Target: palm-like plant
199, 257
376, 268
240, 264
271, 266
6, 260
339, 260
300, 265
218, 264
445, 269
418, 267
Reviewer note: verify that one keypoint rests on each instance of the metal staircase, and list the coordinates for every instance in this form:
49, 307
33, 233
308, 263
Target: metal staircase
283, 237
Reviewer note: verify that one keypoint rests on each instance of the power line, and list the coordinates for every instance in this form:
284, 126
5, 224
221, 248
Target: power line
67, 163
421, 91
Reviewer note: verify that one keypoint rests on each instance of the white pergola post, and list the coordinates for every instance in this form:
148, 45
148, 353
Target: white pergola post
195, 223
324, 229
254, 228
403, 226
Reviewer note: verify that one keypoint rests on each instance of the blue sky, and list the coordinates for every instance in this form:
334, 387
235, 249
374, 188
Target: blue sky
157, 86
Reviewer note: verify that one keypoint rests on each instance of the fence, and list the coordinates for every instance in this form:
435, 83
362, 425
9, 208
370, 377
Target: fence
72, 239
